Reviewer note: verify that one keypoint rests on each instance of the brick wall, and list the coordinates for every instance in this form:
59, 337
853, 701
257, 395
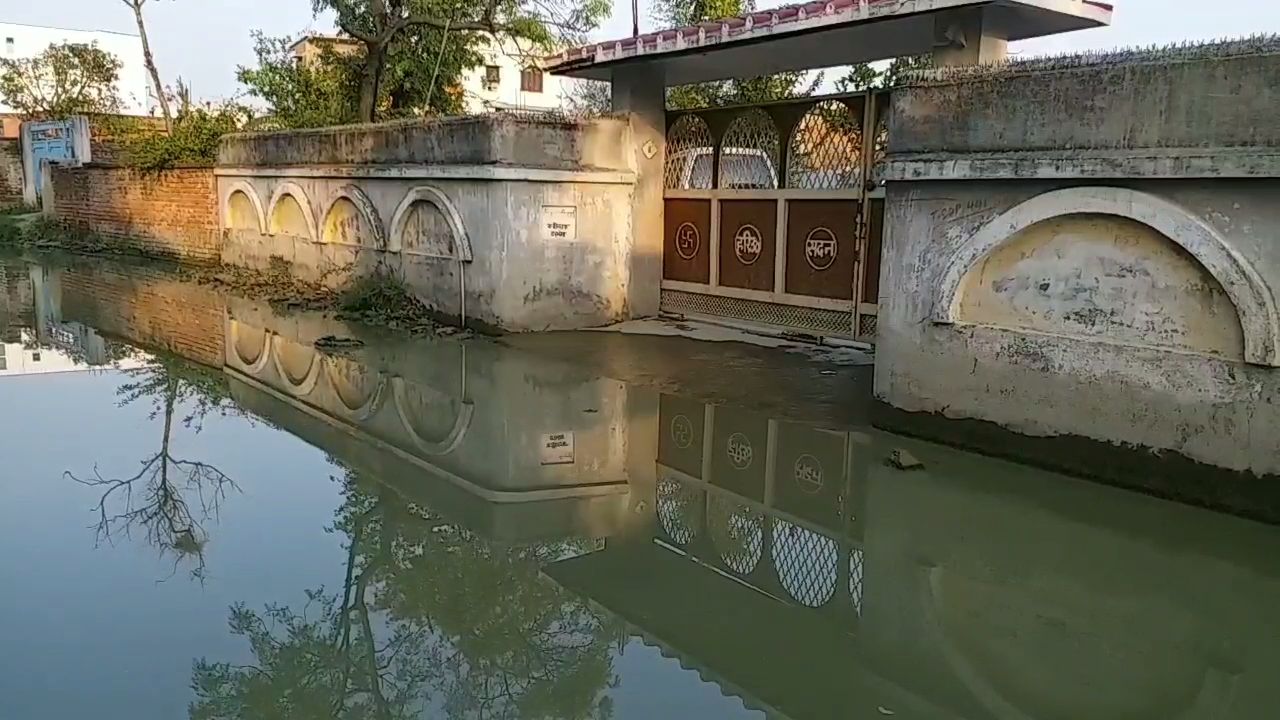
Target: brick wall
173, 213
10, 172
147, 307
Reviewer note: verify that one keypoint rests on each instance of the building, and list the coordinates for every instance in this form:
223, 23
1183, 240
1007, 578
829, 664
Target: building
24, 41
510, 76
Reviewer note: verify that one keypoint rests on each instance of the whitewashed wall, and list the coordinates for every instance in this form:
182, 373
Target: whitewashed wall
22, 41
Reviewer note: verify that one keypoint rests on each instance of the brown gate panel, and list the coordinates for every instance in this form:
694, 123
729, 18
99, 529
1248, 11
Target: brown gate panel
686, 246
747, 229
822, 247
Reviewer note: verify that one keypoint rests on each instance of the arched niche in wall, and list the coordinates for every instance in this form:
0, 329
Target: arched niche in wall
243, 209
290, 213
437, 422
1116, 265
352, 219
251, 346
807, 563
358, 388
297, 365
427, 223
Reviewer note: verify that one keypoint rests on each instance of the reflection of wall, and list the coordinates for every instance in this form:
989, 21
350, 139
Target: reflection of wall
472, 411
146, 307
1007, 592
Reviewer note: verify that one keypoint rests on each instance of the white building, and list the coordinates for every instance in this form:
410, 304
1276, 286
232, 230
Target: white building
24, 41
510, 75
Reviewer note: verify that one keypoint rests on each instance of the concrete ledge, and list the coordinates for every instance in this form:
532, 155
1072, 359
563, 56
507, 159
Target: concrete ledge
509, 140
1163, 163
496, 173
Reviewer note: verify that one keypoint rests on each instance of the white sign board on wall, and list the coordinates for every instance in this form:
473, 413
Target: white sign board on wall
559, 222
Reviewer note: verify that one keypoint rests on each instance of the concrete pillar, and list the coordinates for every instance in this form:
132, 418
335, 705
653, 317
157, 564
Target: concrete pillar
967, 37
640, 92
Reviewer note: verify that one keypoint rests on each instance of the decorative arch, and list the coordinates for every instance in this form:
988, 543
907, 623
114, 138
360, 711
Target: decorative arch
1253, 301
439, 446
355, 399
298, 384
367, 214
251, 345
824, 151
299, 196
435, 197
750, 152
690, 154
806, 562
242, 187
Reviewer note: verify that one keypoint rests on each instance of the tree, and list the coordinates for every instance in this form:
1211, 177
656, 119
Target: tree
427, 612
379, 24
64, 80
169, 499
136, 6
301, 95
738, 91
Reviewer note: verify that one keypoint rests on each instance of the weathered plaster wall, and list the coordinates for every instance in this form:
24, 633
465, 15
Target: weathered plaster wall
1086, 247
1119, 335
470, 239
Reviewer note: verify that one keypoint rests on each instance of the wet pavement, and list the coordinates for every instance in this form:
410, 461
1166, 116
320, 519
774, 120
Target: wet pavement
205, 516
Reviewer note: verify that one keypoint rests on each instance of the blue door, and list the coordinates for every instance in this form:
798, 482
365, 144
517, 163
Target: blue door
51, 140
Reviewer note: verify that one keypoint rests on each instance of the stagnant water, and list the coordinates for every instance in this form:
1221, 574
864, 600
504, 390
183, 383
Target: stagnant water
203, 516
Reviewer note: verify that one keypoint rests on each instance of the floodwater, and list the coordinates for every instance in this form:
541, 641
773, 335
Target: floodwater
203, 516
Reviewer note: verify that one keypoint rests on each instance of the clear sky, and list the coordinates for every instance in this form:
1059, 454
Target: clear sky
204, 40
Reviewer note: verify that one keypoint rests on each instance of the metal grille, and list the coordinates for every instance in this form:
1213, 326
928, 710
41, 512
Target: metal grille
737, 532
806, 563
825, 149
749, 153
792, 317
690, 155
855, 581
867, 326
680, 508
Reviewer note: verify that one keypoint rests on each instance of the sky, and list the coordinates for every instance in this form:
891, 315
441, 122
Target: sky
204, 40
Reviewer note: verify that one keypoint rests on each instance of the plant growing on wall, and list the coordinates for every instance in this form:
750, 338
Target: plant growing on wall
379, 25
149, 59
64, 80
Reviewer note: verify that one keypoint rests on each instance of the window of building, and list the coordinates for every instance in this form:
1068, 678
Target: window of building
492, 76
35, 357
9, 47
531, 80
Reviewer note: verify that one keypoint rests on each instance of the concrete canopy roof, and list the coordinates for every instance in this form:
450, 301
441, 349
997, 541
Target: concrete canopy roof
816, 35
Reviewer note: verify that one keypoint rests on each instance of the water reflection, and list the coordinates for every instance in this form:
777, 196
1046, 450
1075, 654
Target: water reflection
677, 559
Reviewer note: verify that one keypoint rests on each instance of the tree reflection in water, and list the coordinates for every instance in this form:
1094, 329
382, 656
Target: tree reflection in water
429, 616
169, 499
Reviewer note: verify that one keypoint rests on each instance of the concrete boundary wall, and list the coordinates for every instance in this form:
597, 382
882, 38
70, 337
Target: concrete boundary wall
1085, 248
502, 223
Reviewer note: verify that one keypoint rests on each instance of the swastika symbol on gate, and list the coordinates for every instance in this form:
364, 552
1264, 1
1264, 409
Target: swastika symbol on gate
688, 240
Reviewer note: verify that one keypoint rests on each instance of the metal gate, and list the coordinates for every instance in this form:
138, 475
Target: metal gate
771, 216
52, 140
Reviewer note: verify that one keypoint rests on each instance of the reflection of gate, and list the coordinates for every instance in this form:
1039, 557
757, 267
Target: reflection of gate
52, 140
771, 231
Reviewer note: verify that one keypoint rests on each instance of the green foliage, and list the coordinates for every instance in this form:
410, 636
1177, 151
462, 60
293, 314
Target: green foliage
301, 95
392, 30
382, 299
193, 142
738, 91
64, 80
865, 76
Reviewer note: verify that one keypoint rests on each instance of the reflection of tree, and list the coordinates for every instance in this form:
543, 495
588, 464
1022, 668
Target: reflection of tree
170, 498
429, 616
